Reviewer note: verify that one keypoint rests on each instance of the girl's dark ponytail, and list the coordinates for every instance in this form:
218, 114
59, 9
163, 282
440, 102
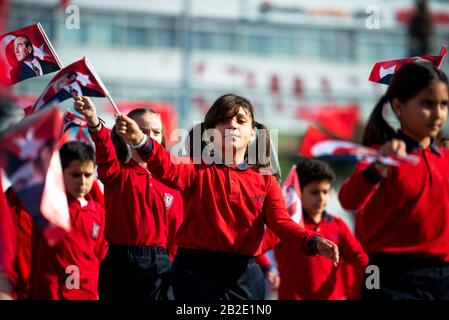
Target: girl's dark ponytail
377, 130
193, 146
267, 157
122, 150
262, 144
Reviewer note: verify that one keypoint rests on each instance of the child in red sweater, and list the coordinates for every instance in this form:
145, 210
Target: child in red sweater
402, 213
228, 202
303, 277
69, 270
142, 214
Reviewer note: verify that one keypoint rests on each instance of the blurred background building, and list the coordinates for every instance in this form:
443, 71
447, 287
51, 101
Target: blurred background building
291, 58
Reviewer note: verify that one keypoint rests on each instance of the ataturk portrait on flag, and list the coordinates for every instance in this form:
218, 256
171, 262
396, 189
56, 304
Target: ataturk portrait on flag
77, 79
27, 53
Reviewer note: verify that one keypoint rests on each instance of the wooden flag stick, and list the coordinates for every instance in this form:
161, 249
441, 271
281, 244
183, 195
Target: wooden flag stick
114, 105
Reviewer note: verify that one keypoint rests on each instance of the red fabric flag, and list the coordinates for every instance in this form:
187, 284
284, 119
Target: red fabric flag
383, 71
4, 12
167, 112
30, 157
74, 128
317, 144
70, 120
24, 101
339, 120
27, 53
292, 196
311, 137
77, 79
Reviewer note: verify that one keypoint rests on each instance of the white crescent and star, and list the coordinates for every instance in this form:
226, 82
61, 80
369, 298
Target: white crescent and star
29, 146
39, 52
83, 79
385, 72
3, 60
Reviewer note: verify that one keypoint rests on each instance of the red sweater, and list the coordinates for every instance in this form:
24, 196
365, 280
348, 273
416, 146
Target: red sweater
226, 208
23, 225
84, 247
407, 212
7, 244
140, 211
315, 278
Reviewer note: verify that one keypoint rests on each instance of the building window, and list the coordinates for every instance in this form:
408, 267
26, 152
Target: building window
258, 44
137, 37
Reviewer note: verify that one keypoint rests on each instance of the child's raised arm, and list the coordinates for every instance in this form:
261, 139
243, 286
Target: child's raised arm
169, 169
106, 157
86, 107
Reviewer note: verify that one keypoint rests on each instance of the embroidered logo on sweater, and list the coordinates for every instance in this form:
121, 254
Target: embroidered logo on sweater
95, 230
258, 198
168, 198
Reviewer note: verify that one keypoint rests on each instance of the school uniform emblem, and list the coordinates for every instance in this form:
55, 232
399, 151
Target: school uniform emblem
168, 198
95, 230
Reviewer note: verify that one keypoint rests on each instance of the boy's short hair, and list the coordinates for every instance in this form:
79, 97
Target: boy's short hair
76, 150
312, 170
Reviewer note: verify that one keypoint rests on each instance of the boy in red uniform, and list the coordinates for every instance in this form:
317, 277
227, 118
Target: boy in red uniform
305, 277
69, 270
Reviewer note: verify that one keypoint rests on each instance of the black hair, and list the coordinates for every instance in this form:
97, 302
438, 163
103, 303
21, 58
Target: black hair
405, 84
313, 170
121, 149
223, 109
76, 150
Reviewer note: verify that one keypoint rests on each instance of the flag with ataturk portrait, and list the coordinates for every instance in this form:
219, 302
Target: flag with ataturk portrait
77, 79
26, 53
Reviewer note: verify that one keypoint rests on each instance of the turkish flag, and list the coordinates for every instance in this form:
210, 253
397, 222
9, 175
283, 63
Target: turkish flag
77, 79
70, 120
24, 101
26, 53
74, 128
316, 144
4, 12
339, 120
30, 157
292, 196
383, 71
